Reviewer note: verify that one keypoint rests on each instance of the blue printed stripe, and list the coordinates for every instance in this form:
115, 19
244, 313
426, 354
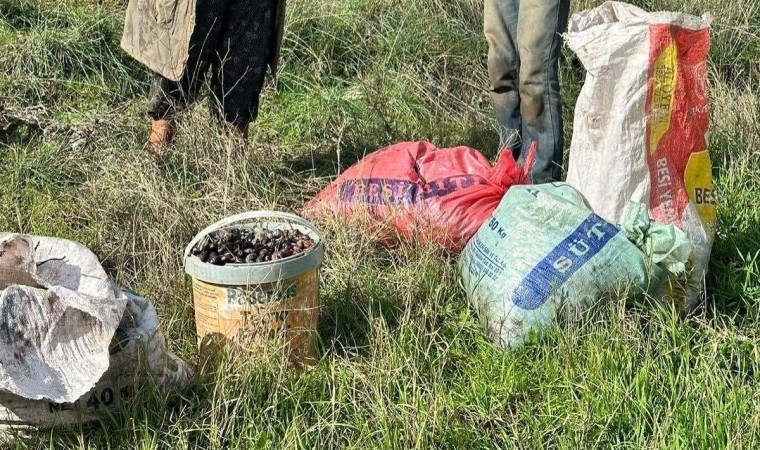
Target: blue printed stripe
563, 261
385, 191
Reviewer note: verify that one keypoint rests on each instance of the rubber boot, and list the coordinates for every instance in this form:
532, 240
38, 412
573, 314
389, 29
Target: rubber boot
161, 135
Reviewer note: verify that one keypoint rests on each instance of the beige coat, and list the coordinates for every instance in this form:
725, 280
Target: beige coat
157, 33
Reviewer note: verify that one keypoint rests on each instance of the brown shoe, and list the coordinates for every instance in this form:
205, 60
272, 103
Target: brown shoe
161, 135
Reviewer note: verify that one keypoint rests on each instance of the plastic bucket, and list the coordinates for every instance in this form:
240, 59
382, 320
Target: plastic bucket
257, 305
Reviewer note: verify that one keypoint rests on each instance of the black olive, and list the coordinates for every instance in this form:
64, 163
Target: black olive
252, 244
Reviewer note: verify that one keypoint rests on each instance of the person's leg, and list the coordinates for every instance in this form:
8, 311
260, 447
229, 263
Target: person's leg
167, 97
164, 99
500, 28
539, 41
242, 61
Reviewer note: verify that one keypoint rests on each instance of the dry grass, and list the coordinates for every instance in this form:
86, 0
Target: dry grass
406, 364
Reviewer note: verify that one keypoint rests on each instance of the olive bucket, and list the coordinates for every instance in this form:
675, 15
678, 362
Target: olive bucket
257, 305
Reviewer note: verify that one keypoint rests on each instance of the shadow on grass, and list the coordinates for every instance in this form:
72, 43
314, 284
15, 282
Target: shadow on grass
484, 138
15, 132
345, 321
27, 15
327, 163
733, 279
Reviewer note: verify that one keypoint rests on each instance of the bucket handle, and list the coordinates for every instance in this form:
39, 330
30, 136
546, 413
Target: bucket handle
246, 216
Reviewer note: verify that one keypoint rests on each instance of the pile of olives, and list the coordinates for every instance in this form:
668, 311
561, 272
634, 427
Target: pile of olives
256, 245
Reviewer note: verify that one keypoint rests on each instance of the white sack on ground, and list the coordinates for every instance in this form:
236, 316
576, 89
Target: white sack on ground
73, 343
58, 312
641, 119
138, 353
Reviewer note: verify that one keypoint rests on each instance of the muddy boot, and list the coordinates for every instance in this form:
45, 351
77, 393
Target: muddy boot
161, 135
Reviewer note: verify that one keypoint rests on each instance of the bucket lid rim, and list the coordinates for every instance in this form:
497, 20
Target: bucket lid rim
254, 273
260, 214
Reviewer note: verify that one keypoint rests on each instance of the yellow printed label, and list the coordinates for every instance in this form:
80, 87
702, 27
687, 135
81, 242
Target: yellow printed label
283, 312
207, 300
699, 186
663, 93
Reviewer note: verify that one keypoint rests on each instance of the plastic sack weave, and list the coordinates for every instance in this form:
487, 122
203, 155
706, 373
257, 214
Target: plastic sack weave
73, 342
543, 252
641, 120
414, 191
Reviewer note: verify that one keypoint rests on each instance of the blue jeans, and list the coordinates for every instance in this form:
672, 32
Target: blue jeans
523, 51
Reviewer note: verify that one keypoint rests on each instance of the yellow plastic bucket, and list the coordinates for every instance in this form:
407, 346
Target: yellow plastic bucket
257, 305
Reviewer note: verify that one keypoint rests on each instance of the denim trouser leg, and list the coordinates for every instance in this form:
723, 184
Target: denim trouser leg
539, 24
538, 30
500, 27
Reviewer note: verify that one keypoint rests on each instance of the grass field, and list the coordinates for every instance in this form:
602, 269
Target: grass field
406, 364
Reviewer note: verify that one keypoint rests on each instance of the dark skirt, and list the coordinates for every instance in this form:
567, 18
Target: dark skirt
235, 40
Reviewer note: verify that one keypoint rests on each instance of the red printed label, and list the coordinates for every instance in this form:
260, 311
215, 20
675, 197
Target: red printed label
676, 114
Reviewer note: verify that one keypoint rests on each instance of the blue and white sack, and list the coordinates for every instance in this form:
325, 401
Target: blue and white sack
543, 252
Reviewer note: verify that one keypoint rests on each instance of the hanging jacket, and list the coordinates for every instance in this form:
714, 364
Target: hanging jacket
157, 33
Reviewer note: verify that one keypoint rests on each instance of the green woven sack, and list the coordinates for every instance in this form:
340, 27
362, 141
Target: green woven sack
543, 252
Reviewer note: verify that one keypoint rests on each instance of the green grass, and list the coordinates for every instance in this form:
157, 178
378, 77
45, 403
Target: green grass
405, 363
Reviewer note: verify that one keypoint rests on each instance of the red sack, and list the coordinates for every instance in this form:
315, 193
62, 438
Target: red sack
415, 192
